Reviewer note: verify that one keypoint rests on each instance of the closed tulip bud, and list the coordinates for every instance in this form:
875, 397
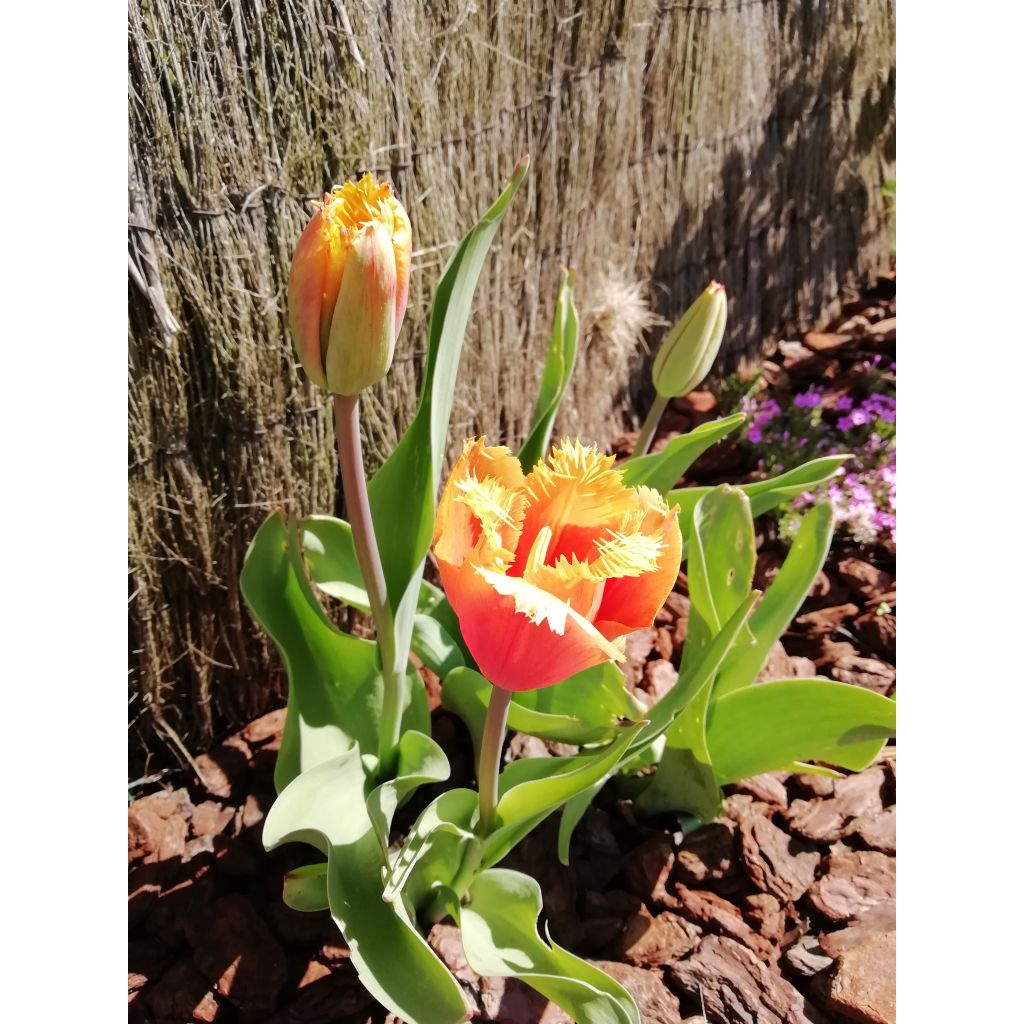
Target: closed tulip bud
349, 286
689, 350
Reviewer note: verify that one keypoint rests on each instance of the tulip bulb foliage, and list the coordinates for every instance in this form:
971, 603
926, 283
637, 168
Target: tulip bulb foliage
547, 561
349, 286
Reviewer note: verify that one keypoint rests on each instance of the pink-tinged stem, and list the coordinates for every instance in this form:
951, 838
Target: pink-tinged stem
357, 506
490, 755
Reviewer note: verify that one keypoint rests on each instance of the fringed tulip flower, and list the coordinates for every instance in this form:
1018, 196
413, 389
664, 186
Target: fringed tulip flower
349, 286
548, 571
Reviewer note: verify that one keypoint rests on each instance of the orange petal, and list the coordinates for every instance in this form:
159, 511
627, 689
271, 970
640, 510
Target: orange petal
575, 493
631, 602
362, 339
521, 637
480, 512
306, 285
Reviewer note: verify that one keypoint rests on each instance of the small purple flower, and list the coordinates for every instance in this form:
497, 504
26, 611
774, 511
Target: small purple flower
845, 423
809, 399
844, 403
755, 436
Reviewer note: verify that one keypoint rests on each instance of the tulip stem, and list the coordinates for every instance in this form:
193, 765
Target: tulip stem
357, 506
646, 436
490, 755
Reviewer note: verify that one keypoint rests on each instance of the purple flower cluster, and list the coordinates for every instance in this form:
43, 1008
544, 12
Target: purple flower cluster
820, 421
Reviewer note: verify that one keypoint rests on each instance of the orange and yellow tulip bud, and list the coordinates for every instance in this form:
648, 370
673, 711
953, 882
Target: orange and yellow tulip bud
689, 350
349, 286
548, 571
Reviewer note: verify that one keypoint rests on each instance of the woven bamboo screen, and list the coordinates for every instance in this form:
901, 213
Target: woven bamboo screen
672, 143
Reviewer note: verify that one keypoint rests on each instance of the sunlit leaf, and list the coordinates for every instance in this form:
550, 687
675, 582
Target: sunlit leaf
557, 371
325, 808
663, 469
500, 938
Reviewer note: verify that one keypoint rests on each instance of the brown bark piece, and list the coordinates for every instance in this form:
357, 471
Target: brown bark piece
240, 956
856, 880
265, 730
737, 988
876, 830
654, 1001
210, 819
824, 621
863, 578
648, 941
647, 868
769, 788
709, 854
855, 796
183, 994
778, 863
711, 913
862, 984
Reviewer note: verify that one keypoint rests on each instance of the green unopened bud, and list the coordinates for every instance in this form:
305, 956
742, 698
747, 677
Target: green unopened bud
689, 350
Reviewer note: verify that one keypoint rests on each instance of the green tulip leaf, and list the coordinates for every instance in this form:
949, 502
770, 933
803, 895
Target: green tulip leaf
782, 599
720, 554
500, 938
532, 788
573, 717
685, 780
433, 645
766, 494
305, 888
663, 470
335, 691
557, 372
766, 727
403, 491
696, 677
331, 560
325, 807
572, 815
420, 761
445, 824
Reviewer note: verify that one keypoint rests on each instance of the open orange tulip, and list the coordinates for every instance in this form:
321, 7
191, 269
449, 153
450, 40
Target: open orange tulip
548, 571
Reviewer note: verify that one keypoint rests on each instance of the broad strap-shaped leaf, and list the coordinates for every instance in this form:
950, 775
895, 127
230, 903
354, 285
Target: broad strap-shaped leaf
663, 469
445, 824
572, 814
532, 788
420, 761
404, 489
720, 554
335, 691
325, 807
693, 679
766, 494
782, 600
500, 938
568, 718
557, 371
305, 888
331, 560
685, 779
764, 728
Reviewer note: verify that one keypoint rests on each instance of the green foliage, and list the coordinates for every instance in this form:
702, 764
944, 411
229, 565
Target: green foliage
557, 372
500, 937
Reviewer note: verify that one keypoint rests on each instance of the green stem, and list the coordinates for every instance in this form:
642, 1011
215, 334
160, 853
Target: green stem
357, 506
490, 755
643, 442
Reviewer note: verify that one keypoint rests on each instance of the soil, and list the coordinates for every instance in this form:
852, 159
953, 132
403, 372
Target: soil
780, 912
